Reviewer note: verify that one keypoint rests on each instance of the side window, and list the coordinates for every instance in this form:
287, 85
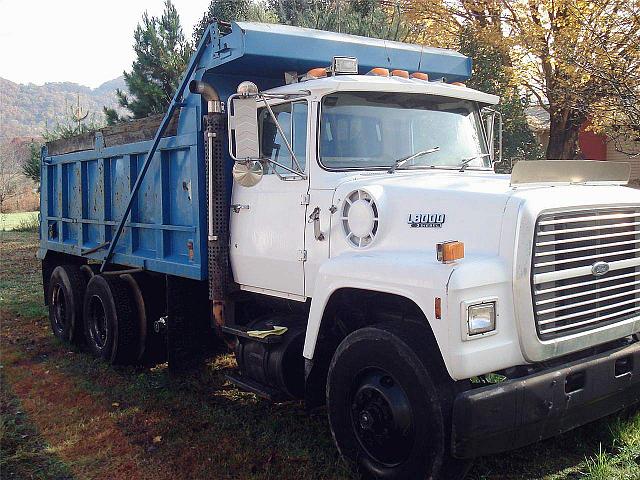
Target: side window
292, 118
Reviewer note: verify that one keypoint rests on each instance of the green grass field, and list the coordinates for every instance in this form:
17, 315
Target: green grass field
66, 415
22, 221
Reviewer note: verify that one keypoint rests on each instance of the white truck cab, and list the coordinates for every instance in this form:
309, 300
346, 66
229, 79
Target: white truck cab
374, 194
355, 249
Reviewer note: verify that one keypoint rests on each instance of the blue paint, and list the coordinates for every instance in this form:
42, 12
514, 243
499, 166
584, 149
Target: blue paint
85, 194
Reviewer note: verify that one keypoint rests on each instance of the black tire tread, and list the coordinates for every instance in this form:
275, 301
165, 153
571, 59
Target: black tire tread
78, 286
126, 342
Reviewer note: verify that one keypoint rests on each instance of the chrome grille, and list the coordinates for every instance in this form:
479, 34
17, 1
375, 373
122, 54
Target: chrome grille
568, 297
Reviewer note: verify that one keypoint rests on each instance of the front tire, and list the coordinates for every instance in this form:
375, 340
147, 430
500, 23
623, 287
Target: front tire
386, 413
111, 324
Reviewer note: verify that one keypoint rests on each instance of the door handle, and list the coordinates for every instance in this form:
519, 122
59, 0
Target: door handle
315, 219
236, 207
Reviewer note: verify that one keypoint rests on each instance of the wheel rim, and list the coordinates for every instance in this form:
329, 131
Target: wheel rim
97, 322
59, 303
381, 417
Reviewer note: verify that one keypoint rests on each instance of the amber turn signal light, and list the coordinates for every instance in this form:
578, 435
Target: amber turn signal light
450, 251
420, 76
317, 73
400, 73
379, 71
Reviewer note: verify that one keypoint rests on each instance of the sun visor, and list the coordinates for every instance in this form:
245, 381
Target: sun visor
567, 172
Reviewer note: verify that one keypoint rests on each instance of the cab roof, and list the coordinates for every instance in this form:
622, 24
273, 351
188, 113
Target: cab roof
354, 83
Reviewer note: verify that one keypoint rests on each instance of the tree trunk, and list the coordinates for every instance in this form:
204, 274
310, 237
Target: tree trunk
563, 135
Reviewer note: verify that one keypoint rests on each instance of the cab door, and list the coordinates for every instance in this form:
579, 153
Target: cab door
268, 220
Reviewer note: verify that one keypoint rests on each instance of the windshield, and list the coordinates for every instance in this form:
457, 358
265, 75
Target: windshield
369, 130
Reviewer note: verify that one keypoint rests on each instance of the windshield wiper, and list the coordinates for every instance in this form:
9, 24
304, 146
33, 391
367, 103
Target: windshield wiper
401, 161
466, 161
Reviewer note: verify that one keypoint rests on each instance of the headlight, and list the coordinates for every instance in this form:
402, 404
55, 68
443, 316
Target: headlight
481, 318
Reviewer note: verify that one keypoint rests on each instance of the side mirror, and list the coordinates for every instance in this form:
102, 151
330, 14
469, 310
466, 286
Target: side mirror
244, 145
489, 115
247, 173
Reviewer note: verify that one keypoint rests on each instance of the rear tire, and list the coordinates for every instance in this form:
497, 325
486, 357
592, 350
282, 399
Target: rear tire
65, 298
111, 324
389, 417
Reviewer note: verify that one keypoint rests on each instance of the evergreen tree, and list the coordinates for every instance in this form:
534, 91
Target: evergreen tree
162, 55
234, 11
31, 166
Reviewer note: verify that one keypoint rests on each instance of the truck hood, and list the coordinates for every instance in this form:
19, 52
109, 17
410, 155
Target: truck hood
416, 210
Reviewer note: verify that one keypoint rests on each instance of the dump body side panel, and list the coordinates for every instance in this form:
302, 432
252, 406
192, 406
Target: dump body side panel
84, 195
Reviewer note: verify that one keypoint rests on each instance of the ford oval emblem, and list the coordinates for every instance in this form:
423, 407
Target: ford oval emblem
599, 268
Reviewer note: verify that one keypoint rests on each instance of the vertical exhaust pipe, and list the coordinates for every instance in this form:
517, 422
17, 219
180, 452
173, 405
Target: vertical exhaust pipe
218, 224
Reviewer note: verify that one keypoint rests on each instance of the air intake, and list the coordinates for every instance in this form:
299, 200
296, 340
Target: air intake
359, 218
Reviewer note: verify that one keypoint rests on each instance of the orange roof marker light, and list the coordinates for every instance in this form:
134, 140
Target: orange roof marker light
400, 73
459, 84
420, 76
379, 72
319, 72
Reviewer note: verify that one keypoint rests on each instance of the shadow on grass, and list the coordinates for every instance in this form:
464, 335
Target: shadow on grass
23, 452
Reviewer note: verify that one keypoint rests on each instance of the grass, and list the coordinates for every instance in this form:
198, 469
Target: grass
20, 222
83, 419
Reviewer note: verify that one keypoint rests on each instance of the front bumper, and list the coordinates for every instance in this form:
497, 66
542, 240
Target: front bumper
524, 410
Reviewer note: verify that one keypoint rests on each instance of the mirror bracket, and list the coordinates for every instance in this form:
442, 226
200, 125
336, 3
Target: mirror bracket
298, 172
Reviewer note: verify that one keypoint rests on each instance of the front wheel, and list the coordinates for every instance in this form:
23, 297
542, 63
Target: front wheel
385, 411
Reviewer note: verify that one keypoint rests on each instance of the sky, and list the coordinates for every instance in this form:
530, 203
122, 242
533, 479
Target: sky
83, 41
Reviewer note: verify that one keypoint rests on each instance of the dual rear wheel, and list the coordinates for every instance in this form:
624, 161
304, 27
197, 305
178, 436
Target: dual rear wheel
105, 312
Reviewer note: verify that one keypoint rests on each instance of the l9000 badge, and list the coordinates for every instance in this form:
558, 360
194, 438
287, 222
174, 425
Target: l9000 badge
426, 220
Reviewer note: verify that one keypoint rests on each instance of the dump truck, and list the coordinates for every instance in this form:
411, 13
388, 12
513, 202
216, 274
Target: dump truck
326, 206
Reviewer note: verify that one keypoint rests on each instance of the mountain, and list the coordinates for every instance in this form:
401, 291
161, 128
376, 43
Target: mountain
27, 110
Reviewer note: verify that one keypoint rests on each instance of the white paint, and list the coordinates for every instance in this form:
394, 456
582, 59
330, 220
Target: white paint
494, 220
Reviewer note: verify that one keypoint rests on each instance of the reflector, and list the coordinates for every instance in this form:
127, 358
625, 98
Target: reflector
379, 71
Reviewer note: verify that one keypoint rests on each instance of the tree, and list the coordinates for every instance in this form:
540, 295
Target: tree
162, 55
368, 18
9, 177
475, 29
614, 59
491, 74
544, 42
31, 166
234, 11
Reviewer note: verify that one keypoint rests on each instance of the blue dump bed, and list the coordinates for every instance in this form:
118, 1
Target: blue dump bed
85, 193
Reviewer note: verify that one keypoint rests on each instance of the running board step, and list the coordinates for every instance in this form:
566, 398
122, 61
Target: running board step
259, 389
241, 332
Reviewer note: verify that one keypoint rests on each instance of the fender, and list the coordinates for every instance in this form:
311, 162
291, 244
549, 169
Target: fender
415, 276
420, 278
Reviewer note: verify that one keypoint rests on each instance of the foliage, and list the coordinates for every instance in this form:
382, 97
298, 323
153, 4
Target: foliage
162, 54
548, 45
28, 109
369, 18
234, 11
9, 177
71, 124
31, 166
491, 75
614, 60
